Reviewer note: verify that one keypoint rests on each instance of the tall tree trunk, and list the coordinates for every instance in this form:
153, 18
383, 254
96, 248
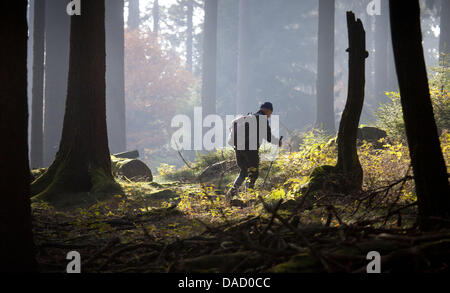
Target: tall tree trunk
190, 34
444, 38
133, 14
37, 112
382, 39
348, 162
430, 172
16, 242
325, 67
115, 91
242, 70
209, 58
82, 163
56, 69
155, 17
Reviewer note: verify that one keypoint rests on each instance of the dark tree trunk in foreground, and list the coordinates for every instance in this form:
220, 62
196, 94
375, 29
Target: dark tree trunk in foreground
16, 240
56, 70
242, 70
348, 162
325, 67
155, 17
430, 172
133, 14
115, 80
444, 38
190, 34
37, 130
82, 163
209, 58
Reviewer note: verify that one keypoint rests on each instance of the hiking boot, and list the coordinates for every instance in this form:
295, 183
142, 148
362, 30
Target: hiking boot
230, 194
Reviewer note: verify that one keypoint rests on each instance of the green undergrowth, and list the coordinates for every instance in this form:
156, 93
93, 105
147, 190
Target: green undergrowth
289, 175
173, 209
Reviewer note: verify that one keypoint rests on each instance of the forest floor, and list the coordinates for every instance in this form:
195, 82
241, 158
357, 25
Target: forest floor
187, 226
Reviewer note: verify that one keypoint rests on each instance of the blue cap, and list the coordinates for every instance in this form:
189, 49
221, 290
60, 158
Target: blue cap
267, 105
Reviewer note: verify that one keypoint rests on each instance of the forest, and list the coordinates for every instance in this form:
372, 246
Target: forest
225, 136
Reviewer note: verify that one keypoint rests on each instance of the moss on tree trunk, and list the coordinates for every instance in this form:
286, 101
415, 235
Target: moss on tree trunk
82, 162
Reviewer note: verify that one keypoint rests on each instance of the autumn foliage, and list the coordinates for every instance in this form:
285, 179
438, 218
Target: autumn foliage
156, 85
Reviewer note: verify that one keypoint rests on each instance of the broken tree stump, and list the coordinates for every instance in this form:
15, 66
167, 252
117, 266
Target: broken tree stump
348, 162
347, 175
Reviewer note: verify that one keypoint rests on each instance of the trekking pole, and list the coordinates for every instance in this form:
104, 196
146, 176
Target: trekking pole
270, 167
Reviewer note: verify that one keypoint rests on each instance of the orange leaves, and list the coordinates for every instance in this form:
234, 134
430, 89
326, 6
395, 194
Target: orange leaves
155, 84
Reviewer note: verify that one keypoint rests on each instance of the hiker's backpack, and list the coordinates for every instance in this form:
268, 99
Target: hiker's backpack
239, 123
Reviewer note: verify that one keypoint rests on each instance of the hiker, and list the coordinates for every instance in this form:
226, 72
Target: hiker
246, 141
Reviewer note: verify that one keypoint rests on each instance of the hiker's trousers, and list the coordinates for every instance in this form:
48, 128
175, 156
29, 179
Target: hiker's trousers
248, 163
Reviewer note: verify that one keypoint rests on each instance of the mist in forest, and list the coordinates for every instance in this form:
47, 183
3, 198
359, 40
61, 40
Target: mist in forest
291, 53
253, 136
